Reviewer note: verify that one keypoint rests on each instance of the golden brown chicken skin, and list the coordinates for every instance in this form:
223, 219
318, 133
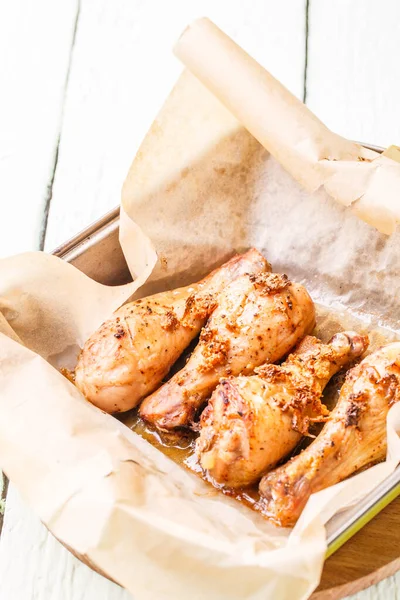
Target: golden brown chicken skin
128, 356
353, 438
259, 319
251, 423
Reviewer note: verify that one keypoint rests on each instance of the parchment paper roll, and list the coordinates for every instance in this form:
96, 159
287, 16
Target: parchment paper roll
307, 149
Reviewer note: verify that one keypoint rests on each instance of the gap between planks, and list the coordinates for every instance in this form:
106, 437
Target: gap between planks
49, 195
306, 27
3, 496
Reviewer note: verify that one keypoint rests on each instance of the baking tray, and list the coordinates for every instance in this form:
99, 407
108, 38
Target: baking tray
96, 251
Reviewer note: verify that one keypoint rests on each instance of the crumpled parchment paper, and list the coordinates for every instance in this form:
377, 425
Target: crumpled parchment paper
200, 188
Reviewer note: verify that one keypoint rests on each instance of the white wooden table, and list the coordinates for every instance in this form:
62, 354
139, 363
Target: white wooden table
81, 81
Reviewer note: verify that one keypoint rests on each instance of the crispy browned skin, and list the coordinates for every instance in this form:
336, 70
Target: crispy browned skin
259, 318
251, 423
354, 437
128, 356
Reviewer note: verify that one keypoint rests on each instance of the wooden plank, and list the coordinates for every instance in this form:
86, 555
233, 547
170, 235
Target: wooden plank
33, 74
353, 81
353, 85
35, 44
34, 566
121, 70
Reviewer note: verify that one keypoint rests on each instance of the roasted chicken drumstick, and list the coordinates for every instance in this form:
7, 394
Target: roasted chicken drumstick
251, 423
354, 437
259, 318
128, 356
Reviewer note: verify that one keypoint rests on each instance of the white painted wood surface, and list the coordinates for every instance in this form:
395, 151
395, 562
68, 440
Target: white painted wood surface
123, 68
35, 47
96, 93
353, 72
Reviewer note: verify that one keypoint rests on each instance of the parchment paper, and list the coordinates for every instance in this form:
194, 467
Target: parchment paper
307, 149
200, 188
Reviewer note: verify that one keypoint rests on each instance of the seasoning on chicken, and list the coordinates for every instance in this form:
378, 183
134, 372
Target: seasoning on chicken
259, 319
128, 356
354, 437
251, 423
